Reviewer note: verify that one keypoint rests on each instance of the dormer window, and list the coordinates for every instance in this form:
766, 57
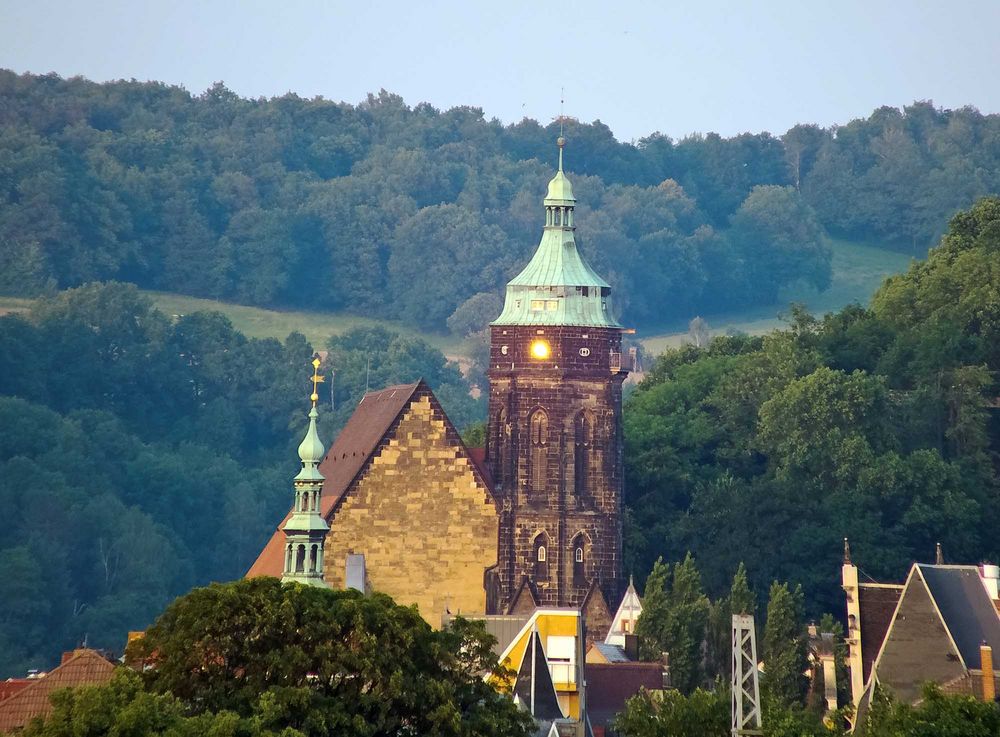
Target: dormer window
537, 305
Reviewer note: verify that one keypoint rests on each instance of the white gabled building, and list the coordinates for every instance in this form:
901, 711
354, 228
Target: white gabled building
625, 618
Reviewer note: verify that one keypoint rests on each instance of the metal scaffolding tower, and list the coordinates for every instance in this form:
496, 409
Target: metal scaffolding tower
745, 685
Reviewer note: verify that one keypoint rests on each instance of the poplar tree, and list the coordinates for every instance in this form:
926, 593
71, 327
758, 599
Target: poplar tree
785, 646
655, 608
674, 620
741, 596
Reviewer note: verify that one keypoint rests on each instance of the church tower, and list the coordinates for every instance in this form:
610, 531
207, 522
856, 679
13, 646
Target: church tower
554, 434
305, 531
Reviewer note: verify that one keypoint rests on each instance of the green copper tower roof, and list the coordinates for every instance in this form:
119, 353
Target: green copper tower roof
306, 528
311, 451
558, 286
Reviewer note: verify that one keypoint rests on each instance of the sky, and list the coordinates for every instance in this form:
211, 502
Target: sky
640, 67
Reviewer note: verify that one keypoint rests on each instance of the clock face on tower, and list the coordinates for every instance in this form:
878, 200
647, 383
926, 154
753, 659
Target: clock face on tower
540, 350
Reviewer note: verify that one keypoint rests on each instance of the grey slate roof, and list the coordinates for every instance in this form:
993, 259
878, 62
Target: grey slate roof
612, 653
966, 608
504, 627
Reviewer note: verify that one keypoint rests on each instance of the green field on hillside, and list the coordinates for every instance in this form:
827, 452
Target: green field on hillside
260, 323
858, 270
316, 326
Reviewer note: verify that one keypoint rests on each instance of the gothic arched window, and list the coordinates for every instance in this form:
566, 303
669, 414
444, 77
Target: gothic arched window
580, 552
583, 442
501, 447
541, 558
538, 458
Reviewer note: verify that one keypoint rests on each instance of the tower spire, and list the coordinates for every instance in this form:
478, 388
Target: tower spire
306, 529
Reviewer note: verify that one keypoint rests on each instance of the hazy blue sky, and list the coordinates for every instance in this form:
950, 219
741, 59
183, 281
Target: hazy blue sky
675, 67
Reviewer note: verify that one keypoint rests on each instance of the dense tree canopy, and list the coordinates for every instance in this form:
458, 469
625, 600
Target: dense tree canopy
408, 212
877, 424
142, 455
258, 657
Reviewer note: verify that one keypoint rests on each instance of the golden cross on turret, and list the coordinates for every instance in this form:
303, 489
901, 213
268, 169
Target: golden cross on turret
316, 380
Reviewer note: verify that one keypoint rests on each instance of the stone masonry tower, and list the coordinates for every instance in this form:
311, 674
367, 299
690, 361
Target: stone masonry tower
554, 434
306, 529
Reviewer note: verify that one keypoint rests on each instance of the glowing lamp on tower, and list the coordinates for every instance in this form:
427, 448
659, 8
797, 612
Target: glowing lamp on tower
540, 350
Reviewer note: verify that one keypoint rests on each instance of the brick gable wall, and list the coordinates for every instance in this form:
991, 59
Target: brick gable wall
427, 527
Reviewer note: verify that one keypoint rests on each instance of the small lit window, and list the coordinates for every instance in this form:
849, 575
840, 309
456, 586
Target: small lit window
537, 305
541, 553
504, 349
551, 305
579, 555
626, 625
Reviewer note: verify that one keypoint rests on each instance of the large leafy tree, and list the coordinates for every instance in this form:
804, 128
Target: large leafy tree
937, 715
325, 662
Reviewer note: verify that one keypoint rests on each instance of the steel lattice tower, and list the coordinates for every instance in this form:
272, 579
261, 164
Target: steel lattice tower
745, 685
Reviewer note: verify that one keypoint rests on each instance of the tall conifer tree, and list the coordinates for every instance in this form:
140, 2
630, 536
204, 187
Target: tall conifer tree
785, 646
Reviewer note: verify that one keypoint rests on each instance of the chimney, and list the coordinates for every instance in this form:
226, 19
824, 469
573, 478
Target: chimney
631, 646
356, 575
989, 684
991, 579
938, 555
852, 591
665, 662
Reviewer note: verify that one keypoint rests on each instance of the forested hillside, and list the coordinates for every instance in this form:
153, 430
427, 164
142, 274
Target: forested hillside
392, 211
880, 424
141, 456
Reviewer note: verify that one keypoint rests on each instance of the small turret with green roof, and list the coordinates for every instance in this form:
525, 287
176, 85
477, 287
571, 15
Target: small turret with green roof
306, 529
558, 286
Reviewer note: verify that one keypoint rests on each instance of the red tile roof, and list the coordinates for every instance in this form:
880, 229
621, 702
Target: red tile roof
376, 415
86, 667
12, 685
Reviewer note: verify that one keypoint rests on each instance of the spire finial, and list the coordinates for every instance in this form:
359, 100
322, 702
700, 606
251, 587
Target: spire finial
316, 380
562, 102
847, 552
560, 142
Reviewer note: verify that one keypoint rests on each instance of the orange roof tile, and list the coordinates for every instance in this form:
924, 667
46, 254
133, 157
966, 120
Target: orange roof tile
11, 686
86, 667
